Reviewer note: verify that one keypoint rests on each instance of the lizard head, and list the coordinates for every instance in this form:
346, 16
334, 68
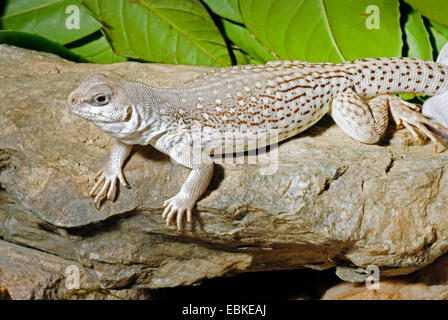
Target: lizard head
102, 101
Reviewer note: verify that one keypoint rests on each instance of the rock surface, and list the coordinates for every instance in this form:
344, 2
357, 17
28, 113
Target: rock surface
31, 274
430, 282
329, 201
4, 294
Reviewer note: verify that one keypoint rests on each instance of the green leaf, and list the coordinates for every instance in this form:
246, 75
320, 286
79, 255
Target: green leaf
48, 19
168, 31
417, 37
36, 42
97, 51
225, 8
436, 10
441, 28
246, 42
440, 34
407, 96
242, 57
325, 30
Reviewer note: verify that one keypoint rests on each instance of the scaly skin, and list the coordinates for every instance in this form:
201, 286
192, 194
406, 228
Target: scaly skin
245, 104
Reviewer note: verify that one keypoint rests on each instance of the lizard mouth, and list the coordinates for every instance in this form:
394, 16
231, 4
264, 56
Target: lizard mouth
93, 117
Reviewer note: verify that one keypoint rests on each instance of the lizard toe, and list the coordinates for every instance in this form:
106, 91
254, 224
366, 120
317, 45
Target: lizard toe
180, 216
93, 192
167, 210
170, 216
416, 124
112, 191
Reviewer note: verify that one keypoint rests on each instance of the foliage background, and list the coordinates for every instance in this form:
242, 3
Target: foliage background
226, 32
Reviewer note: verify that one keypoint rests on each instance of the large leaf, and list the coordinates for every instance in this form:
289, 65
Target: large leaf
225, 8
417, 37
35, 42
47, 18
97, 51
243, 58
436, 10
168, 31
246, 42
440, 34
324, 30
441, 28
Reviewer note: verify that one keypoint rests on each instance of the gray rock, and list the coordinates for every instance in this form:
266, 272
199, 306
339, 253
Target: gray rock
429, 283
27, 274
328, 200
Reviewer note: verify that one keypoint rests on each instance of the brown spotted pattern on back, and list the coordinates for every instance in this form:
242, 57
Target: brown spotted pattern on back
290, 96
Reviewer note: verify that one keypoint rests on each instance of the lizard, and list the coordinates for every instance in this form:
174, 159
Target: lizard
192, 121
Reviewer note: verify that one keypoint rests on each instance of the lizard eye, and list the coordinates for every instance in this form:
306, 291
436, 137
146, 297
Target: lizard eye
101, 100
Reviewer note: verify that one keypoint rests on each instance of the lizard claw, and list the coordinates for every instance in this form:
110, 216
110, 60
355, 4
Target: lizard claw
416, 124
106, 185
178, 205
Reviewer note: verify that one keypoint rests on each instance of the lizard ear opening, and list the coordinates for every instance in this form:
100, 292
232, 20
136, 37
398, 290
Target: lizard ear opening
128, 114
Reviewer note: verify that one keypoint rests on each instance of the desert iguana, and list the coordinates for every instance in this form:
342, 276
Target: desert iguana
246, 103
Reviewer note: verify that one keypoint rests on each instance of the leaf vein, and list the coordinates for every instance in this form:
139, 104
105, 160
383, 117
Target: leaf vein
330, 31
179, 30
33, 9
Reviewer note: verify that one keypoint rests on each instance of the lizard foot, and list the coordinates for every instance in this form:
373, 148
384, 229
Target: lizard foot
179, 204
416, 124
106, 185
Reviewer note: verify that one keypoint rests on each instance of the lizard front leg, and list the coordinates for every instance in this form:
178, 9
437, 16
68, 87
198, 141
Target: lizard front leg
195, 185
107, 176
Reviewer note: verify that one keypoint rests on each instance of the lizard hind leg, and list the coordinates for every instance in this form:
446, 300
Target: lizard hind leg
405, 113
362, 121
367, 122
